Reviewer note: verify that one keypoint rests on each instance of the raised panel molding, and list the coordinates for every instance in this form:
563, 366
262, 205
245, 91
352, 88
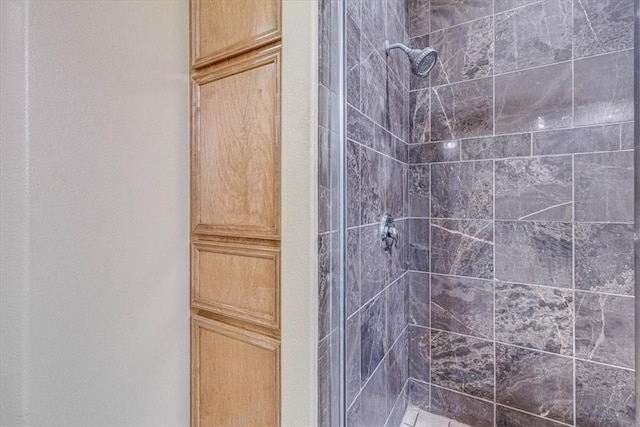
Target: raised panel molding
235, 376
222, 28
236, 147
239, 281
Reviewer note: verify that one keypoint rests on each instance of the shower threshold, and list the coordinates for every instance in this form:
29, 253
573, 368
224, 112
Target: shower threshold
416, 417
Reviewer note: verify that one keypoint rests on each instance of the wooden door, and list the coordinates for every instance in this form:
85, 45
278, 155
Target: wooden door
235, 212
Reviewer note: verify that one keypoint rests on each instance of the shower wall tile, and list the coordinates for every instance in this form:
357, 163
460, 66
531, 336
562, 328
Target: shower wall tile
462, 110
463, 364
579, 140
419, 395
535, 317
434, 152
604, 100
359, 127
535, 253
538, 34
373, 400
539, 188
419, 17
372, 173
373, 342
395, 32
324, 287
506, 417
417, 303
502, 5
535, 382
353, 61
602, 26
354, 189
395, 184
447, 13
419, 110
373, 80
627, 136
397, 259
373, 265
397, 372
399, 409
462, 190
384, 142
463, 408
534, 99
373, 23
604, 329
604, 395
324, 383
465, 52
419, 353
396, 319
352, 344
396, 118
604, 258
352, 293
419, 244
604, 187
419, 190
462, 248
496, 147
462, 305
354, 8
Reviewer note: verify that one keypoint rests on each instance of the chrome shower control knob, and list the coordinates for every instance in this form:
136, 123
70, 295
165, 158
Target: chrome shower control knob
388, 232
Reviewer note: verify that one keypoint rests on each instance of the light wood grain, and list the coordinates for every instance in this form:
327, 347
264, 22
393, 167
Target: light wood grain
233, 374
239, 281
225, 28
236, 148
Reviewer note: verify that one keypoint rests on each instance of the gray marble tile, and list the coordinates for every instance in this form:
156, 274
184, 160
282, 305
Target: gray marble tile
352, 344
397, 371
401, 151
496, 147
507, 417
578, 140
419, 17
395, 183
605, 396
373, 400
373, 15
462, 305
399, 409
384, 141
536, 35
462, 190
466, 409
419, 395
353, 413
324, 104
395, 32
535, 382
604, 100
534, 252
396, 119
415, 82
462, 363
534, 99
395, 305
417, 304
373, 90
324, 383
419, 353
535, 317
447, 13
465, 52
398, 258
354, 8
354, 191
502, 5
324, 285
434, 152
602, 26
604, 258
604, 329
324, 42
373, 265
352, 55
538, 188
373, 343
462, 248
323, 209
604, 187
359, 127
335, 281
419, 244
419, 190
419, 122
627, 136
353, 270
372, 176
462, 110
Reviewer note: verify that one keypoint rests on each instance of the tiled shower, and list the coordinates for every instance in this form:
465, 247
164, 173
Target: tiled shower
508, 300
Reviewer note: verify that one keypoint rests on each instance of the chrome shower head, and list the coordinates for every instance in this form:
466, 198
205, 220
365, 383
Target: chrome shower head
422, 60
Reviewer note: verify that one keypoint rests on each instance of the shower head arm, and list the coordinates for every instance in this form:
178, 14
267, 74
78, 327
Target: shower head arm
388, 47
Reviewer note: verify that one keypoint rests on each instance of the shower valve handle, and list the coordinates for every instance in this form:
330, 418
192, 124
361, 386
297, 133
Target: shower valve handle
388, 232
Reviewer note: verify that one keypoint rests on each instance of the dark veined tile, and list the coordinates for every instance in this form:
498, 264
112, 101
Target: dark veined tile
496, 147
418, 307
447, 13
419, 353
578, 140
373, 343
419, 395
602, 26
507, 417
462, 190
462, 408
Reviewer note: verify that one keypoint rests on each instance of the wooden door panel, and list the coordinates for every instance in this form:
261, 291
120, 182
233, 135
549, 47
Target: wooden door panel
238, 281
236, 149
235, 375
224, 28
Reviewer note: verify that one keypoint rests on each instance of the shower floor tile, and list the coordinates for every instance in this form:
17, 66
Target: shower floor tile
415, 417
